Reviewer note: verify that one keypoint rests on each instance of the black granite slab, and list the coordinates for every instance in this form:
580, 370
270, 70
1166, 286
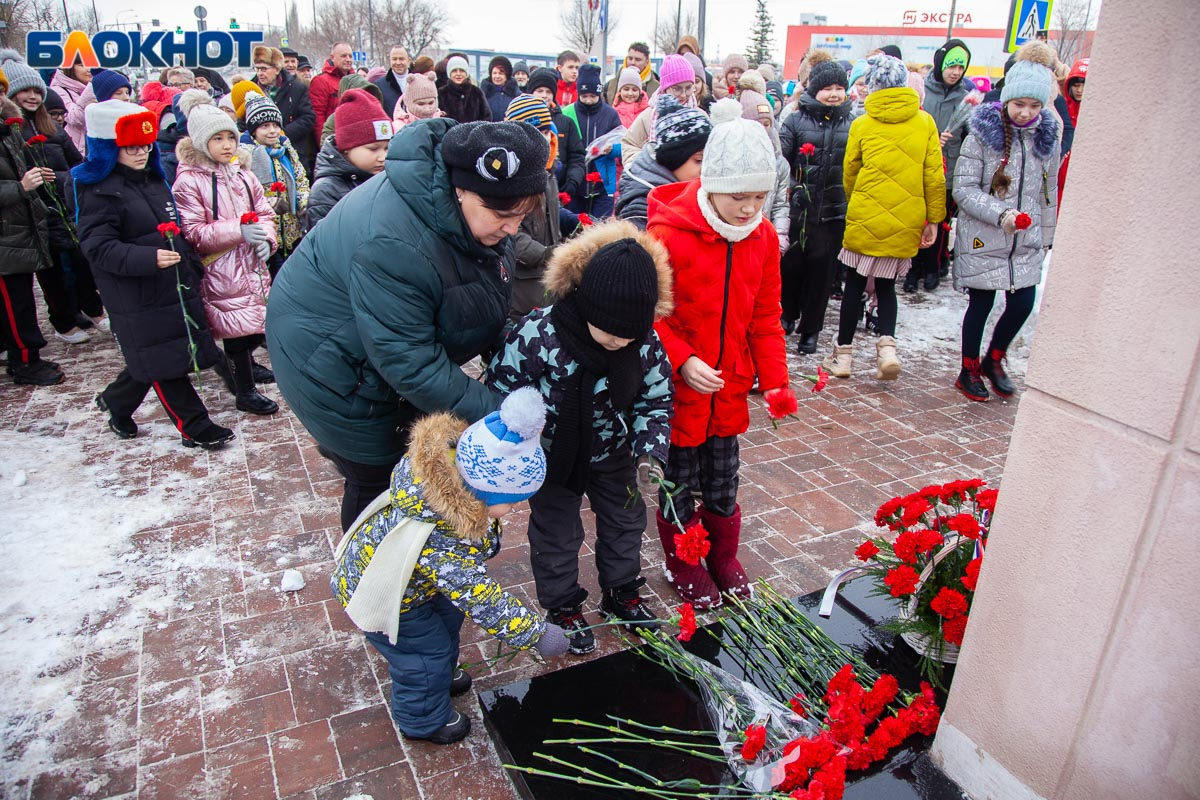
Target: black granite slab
519, 715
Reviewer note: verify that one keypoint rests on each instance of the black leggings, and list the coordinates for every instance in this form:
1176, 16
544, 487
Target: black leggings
1018, 306
852, 305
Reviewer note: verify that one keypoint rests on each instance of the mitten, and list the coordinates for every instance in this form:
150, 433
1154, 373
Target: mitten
1008, 221
263, 250
253, 234
648, 471
553, 641
282, 206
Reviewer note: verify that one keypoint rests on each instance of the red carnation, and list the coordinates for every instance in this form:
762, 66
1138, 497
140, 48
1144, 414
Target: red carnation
915, 507
881, 695
687, 622
807, 149
279, 187
564, 198
168, 230
595, 151
902, 580
972, 577
797, 704
1023, 221
249, 218
866, 551
756, 739
39, 139
593, 177
929, 540
964, 525
586, 220
781, 402
953, 629
822, 380
905, 547
692, 545
986, 499
14, 121
949, 603
887, 509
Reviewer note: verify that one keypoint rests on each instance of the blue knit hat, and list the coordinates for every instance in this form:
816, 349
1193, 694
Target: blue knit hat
859, 70
1027, 79
500, 458
105, 82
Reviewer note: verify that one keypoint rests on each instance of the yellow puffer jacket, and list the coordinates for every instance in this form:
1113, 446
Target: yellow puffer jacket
893, 176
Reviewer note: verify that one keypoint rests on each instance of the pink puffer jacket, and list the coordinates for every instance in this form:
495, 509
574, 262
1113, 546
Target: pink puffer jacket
236, 284
69, 90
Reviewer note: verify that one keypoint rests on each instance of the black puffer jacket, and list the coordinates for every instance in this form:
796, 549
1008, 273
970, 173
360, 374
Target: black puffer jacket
817, 192
24, 239
58, 153
118, 225
640, 176
334, 178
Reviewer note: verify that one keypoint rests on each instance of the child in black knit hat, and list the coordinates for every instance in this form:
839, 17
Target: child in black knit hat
606, 381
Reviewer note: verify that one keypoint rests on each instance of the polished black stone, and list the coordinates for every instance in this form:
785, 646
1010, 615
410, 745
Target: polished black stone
519, 716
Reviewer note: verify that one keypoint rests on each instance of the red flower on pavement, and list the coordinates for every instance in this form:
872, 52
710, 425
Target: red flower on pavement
880, 697
822, 379
168, 230
986, 499
953, 629
593, 177
807, 149
972, 577
692, 545
687, 623
249, 218
278, 187
902, 580
797, 704
866, 551
781, 402
1023, 221
756, 739
39, 139
949, 603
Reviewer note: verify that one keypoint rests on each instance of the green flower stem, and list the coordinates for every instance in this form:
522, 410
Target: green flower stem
188, 322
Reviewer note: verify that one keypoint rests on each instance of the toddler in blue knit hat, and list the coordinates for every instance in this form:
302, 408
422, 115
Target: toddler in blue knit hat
411, 567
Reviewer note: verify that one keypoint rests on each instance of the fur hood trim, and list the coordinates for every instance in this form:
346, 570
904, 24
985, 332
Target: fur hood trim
431, 453
987, 123
566, 267
187, 154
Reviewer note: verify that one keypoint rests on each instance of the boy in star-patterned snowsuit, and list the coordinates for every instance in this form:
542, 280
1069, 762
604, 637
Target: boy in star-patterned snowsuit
606, 381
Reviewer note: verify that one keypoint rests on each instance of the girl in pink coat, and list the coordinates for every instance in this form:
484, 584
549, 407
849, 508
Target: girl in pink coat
229, 223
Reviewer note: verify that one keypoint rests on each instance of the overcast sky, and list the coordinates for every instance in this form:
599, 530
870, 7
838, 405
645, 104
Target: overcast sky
532, 25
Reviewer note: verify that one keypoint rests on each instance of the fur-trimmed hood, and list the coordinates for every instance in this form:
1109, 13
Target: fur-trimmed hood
987, 123
566, 266
189, 155
8, 110
434, 477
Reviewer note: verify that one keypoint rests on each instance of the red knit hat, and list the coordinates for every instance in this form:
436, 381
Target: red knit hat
359, 120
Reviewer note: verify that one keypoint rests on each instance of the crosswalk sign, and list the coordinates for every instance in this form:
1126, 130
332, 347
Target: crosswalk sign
1025, 19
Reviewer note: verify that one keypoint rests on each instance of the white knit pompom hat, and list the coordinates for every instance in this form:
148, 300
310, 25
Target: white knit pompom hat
500, 457
739, 156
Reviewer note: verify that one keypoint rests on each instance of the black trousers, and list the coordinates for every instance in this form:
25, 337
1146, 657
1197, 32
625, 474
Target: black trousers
240, 351
22, 335
710, 470
556, 533
1018, 306
177, 395
935, 258
852, 305
363, 483
808, 272
69, 287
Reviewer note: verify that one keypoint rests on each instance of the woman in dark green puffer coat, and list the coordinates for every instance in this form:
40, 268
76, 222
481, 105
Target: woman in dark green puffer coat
407, 278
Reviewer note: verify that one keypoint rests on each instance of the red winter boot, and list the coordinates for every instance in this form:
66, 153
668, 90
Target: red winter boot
723, 565
691, 581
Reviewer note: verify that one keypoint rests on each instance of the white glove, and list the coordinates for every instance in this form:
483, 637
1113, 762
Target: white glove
253, 234
263, 250
649, 475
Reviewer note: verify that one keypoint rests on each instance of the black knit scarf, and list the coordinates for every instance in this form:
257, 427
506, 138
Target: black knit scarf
570, 455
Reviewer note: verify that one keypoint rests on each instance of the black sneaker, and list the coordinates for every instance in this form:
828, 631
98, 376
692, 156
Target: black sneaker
123, 428
261, 374
453, 731
254, 402
214, 437
460, 682
39, 373
627, 605
571, 619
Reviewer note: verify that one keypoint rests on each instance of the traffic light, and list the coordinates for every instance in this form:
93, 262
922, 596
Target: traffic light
233, 24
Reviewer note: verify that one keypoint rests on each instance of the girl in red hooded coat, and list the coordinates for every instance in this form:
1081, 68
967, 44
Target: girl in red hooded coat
725, 330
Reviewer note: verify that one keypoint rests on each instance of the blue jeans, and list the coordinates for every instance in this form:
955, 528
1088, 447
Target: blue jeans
421, 664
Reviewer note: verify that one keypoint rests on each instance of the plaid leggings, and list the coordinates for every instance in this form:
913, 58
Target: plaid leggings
710, 470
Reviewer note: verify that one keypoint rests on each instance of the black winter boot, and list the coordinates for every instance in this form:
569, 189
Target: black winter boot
214, 437
992, 366
248, 398
261, 374
970, 382
931, 280
910, 280
808, 343
626, 604
223, 369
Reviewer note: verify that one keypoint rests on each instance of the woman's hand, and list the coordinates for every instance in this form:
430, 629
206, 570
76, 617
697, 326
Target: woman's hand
32, 179
945, 137
48, 175
929, 234
167, 258
701, 376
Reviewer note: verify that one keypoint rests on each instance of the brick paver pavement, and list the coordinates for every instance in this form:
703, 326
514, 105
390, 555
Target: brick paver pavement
238, 690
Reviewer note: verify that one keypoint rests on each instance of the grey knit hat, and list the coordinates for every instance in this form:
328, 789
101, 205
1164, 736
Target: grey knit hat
885, 72
20, 75
206, 122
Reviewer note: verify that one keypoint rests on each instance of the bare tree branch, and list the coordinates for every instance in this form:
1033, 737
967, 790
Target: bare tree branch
579, 25
1073, 24
671, 29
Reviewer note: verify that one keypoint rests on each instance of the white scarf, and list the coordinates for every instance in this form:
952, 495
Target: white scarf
733, 233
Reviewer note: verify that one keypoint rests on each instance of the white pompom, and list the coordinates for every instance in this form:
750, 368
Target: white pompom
192, 98
726, 110
524, 413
